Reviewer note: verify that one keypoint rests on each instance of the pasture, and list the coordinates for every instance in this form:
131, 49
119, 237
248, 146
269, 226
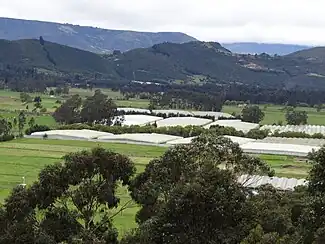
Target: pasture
275, 113
26, 157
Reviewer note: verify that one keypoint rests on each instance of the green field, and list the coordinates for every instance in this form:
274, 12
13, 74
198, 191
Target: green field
10, 105
26, 157
274, 114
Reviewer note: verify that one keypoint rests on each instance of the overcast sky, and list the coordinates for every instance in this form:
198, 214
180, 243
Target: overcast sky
281, 21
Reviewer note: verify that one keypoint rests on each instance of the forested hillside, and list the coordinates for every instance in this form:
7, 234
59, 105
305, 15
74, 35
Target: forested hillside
190, 63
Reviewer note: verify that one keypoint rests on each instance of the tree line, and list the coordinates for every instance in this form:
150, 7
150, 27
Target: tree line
184, 197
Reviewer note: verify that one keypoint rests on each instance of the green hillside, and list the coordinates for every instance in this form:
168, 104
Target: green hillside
311, 53
191, 63
52, 56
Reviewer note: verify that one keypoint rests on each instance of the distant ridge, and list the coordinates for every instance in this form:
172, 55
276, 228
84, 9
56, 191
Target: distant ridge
86, 38
258, 48
317, 53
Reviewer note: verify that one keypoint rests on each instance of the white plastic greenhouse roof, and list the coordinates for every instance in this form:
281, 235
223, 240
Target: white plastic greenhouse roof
139, 119
237, 124
240, 140
284, 184
70, 134
187, 140
152, 138
183, 121
309, 129
296, 141
168, 111
210, 113
136, 110
277, 149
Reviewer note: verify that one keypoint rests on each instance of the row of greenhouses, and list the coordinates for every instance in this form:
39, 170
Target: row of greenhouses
267, 146
308, 129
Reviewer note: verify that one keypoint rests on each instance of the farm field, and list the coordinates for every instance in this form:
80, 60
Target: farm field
10, 104
26, 157
274, 114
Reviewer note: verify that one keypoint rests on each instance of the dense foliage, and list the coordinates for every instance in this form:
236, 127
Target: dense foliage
184, 197
95, 109
74, 199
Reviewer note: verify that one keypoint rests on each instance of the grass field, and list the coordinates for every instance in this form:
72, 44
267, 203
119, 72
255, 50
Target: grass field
26, 157
274, 114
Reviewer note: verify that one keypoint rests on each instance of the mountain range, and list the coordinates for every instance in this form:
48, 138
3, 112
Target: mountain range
106, 41
192, 63
269, 48
86, 38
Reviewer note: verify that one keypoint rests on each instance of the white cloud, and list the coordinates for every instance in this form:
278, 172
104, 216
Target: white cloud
283, 21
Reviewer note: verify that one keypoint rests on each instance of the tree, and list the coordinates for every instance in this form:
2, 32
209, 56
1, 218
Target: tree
204, 210
252, 114
65, 89
294, 117
75, 198
58, 90
151, 189
5, 127
31, 122
51, 93
21, 122
25, 97
69, 111
98, 109
41, 41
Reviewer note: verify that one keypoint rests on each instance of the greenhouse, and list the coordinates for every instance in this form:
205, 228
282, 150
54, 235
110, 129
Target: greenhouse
285, 184
278, 149
139, 119
308, 129
296, 141
240, 140
70, 134
209, 113
237, 124
145, 138
187, 140
183, 121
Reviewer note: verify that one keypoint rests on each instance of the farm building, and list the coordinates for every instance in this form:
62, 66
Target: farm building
308, 129
278, 149
285, 184
183, 121
237, 124
187, 140
240, 140
146, 138
296, 141
139, 119
70, 134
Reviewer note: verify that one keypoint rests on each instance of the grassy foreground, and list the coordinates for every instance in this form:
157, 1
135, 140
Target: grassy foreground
26, 157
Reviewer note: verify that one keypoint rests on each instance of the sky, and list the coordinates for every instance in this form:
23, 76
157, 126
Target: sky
268, 21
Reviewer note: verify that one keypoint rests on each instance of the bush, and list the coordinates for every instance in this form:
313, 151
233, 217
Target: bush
6, 138
36, 128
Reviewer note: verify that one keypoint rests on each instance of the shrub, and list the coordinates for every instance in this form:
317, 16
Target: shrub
6, 138
36, 128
